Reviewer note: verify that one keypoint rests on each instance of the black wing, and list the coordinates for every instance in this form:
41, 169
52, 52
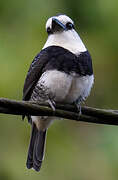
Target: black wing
34, 74
85, 63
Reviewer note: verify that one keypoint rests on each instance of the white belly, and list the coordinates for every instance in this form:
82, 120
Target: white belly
66, 88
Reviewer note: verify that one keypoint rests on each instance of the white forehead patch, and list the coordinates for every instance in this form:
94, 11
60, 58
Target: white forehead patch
62, 18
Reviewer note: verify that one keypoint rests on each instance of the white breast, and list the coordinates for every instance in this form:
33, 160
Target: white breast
81, 86
66, 88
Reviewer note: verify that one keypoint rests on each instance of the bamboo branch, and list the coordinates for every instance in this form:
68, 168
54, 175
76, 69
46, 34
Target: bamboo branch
91, 115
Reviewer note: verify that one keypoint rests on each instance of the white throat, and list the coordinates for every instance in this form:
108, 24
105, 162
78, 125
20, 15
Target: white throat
69, 40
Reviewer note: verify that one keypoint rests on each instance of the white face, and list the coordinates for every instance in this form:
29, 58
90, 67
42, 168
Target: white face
62, 18
62, 21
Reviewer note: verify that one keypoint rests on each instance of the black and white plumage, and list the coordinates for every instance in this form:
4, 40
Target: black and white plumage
61, 72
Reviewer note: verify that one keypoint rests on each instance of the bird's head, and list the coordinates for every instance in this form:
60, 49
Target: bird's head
61, 32
58, 24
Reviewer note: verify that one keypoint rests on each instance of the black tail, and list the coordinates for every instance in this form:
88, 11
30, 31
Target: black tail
36, 149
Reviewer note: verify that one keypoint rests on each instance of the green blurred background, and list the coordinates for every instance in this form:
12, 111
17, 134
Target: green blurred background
74, 151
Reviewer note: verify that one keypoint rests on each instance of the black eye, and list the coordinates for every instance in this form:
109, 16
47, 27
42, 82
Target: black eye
69, 26
49, 30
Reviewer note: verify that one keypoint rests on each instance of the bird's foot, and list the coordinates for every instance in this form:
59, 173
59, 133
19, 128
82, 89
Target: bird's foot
78, 106
79, 109
52, 104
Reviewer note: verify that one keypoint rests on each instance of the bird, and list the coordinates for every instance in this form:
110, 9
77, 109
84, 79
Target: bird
61, 73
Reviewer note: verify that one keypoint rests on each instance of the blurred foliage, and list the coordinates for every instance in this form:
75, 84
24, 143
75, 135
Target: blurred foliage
74, 150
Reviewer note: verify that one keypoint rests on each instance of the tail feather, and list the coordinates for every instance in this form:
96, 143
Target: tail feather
36, 149
38, 152
29, 162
